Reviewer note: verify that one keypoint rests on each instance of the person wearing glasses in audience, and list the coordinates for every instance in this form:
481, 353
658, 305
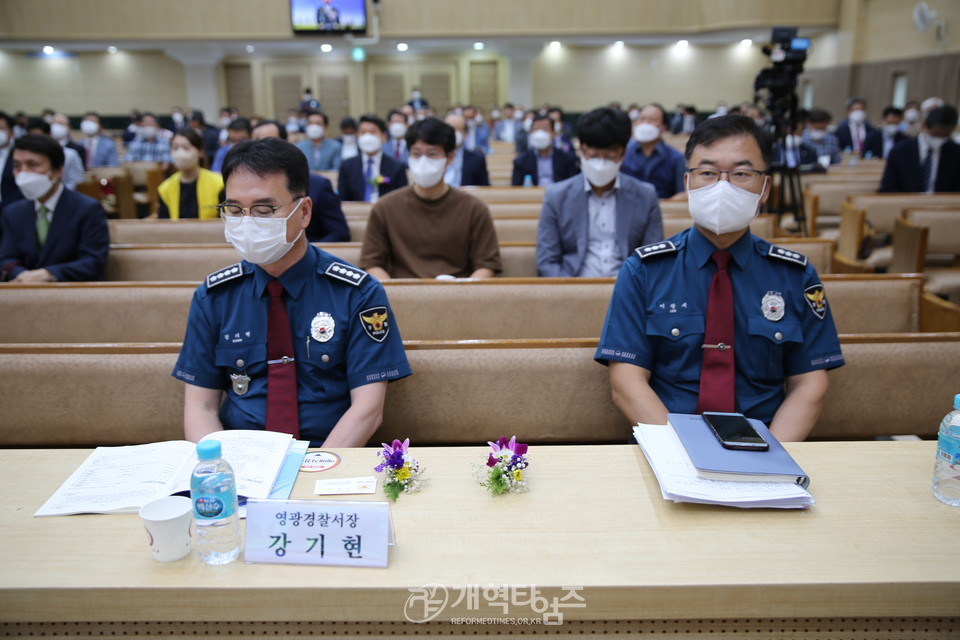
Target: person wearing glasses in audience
291, 339
715, 318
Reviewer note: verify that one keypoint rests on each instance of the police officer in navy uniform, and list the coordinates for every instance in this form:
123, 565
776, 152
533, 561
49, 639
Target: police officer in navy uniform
346, 346
784, 337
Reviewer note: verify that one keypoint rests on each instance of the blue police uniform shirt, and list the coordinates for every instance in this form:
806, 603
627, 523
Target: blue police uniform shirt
656, 320
664, 168
343, 331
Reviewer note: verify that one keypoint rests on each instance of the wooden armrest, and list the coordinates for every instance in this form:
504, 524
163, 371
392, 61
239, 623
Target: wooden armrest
845, 265
938, 315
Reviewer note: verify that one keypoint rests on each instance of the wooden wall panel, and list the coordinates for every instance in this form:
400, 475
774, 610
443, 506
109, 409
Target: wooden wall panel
239, 88
388, 92
334, 96
483, 85
287, 91
436, 88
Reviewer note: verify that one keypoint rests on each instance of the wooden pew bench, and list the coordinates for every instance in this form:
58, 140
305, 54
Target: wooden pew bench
431, 309
883, 208
461, 393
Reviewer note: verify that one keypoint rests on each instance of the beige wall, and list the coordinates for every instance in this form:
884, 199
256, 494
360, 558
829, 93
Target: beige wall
583, 78
244, 19
110, 84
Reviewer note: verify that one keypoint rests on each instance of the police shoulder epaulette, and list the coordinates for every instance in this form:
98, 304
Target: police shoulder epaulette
224, 275
656, 249
346, 272
787, 255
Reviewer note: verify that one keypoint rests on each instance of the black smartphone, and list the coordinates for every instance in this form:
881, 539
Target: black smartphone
734, 431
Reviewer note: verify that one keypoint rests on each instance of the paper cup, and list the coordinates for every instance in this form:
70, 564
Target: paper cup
167, 522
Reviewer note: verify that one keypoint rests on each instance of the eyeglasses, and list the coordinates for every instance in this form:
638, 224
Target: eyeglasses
256, 210
706, 176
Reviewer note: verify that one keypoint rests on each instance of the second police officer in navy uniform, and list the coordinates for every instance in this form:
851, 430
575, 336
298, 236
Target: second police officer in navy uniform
784, 338
345, 345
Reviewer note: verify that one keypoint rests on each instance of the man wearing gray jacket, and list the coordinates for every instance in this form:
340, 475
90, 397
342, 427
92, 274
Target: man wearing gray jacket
590, 222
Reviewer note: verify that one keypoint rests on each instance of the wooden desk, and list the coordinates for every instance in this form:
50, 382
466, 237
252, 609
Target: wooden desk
877, 545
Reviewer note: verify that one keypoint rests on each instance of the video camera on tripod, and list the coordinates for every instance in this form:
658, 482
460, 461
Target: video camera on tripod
788, 53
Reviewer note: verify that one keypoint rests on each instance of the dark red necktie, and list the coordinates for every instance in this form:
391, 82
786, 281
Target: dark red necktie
282, 407
717, 388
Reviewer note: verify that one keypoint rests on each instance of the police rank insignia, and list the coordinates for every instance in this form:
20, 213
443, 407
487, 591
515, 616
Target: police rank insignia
817, 300
375, 323
241, 383
772, 305
322, 327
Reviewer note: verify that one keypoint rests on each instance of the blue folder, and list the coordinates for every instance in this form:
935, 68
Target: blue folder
715, 462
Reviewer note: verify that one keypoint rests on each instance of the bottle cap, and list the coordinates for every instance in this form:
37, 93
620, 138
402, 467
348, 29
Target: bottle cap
956, 401
208, 449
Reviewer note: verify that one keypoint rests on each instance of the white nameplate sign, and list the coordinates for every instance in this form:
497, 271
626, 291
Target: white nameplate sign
327, 532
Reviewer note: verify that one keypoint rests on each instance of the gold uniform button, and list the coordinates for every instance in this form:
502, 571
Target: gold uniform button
674, 332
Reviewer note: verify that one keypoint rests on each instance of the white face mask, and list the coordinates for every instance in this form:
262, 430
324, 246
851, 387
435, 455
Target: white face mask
59, 131
934, 141
349, 138
34, 185
540, 139
911, 115
225, 121
4, 139
527, 125
397, 130
891, 129
817, 134
723, 208
315, 131
427, 172
415, 95
177, 118
858, 116
148, 133
369, 143
89, 127
646, 132
495, 114
185, 158
459, 137
262, 240
517, 114
478, 118
599, 171
633, 114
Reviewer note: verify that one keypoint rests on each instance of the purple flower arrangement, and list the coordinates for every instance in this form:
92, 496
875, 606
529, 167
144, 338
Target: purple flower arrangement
403, 472
505, 468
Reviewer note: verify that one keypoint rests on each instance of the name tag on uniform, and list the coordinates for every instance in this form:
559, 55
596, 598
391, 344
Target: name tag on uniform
324, 532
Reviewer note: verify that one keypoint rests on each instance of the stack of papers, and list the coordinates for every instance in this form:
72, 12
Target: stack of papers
680, 482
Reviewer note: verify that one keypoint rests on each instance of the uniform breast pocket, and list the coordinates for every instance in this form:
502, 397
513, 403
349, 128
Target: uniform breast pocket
769, 344
324, 364
677, 340
243, 359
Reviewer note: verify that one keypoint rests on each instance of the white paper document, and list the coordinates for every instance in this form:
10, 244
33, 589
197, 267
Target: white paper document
680, 482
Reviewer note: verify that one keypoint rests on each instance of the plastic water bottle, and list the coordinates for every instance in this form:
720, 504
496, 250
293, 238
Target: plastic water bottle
213, 489
528, 180
946, 470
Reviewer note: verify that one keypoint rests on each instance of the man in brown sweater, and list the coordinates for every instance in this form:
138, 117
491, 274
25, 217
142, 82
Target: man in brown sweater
430, 229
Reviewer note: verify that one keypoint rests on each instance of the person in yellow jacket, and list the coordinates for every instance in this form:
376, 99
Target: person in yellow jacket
192, 192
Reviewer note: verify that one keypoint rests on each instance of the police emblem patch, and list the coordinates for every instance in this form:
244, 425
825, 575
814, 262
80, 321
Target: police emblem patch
817, 300
375, 322
322, 327
772, 305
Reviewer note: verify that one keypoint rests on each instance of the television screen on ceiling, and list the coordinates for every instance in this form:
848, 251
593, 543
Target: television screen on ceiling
328, 16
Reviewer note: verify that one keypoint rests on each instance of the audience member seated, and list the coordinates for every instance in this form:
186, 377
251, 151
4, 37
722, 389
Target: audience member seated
373, 174
53, 233
506, 128
210, 134
929, 163
822, 140
795, 152
327, 222
417, 101
60, 131
673, 311
130, 132
589, 224
72, 164
853, 130
323, 153
396, 146
238, 129
430, 229
469, 168
191, 192
149, 146
477, 134
543, 162
650, 159
883, 139
98, 149
523, 133
9, 192
561, 130
348, 139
